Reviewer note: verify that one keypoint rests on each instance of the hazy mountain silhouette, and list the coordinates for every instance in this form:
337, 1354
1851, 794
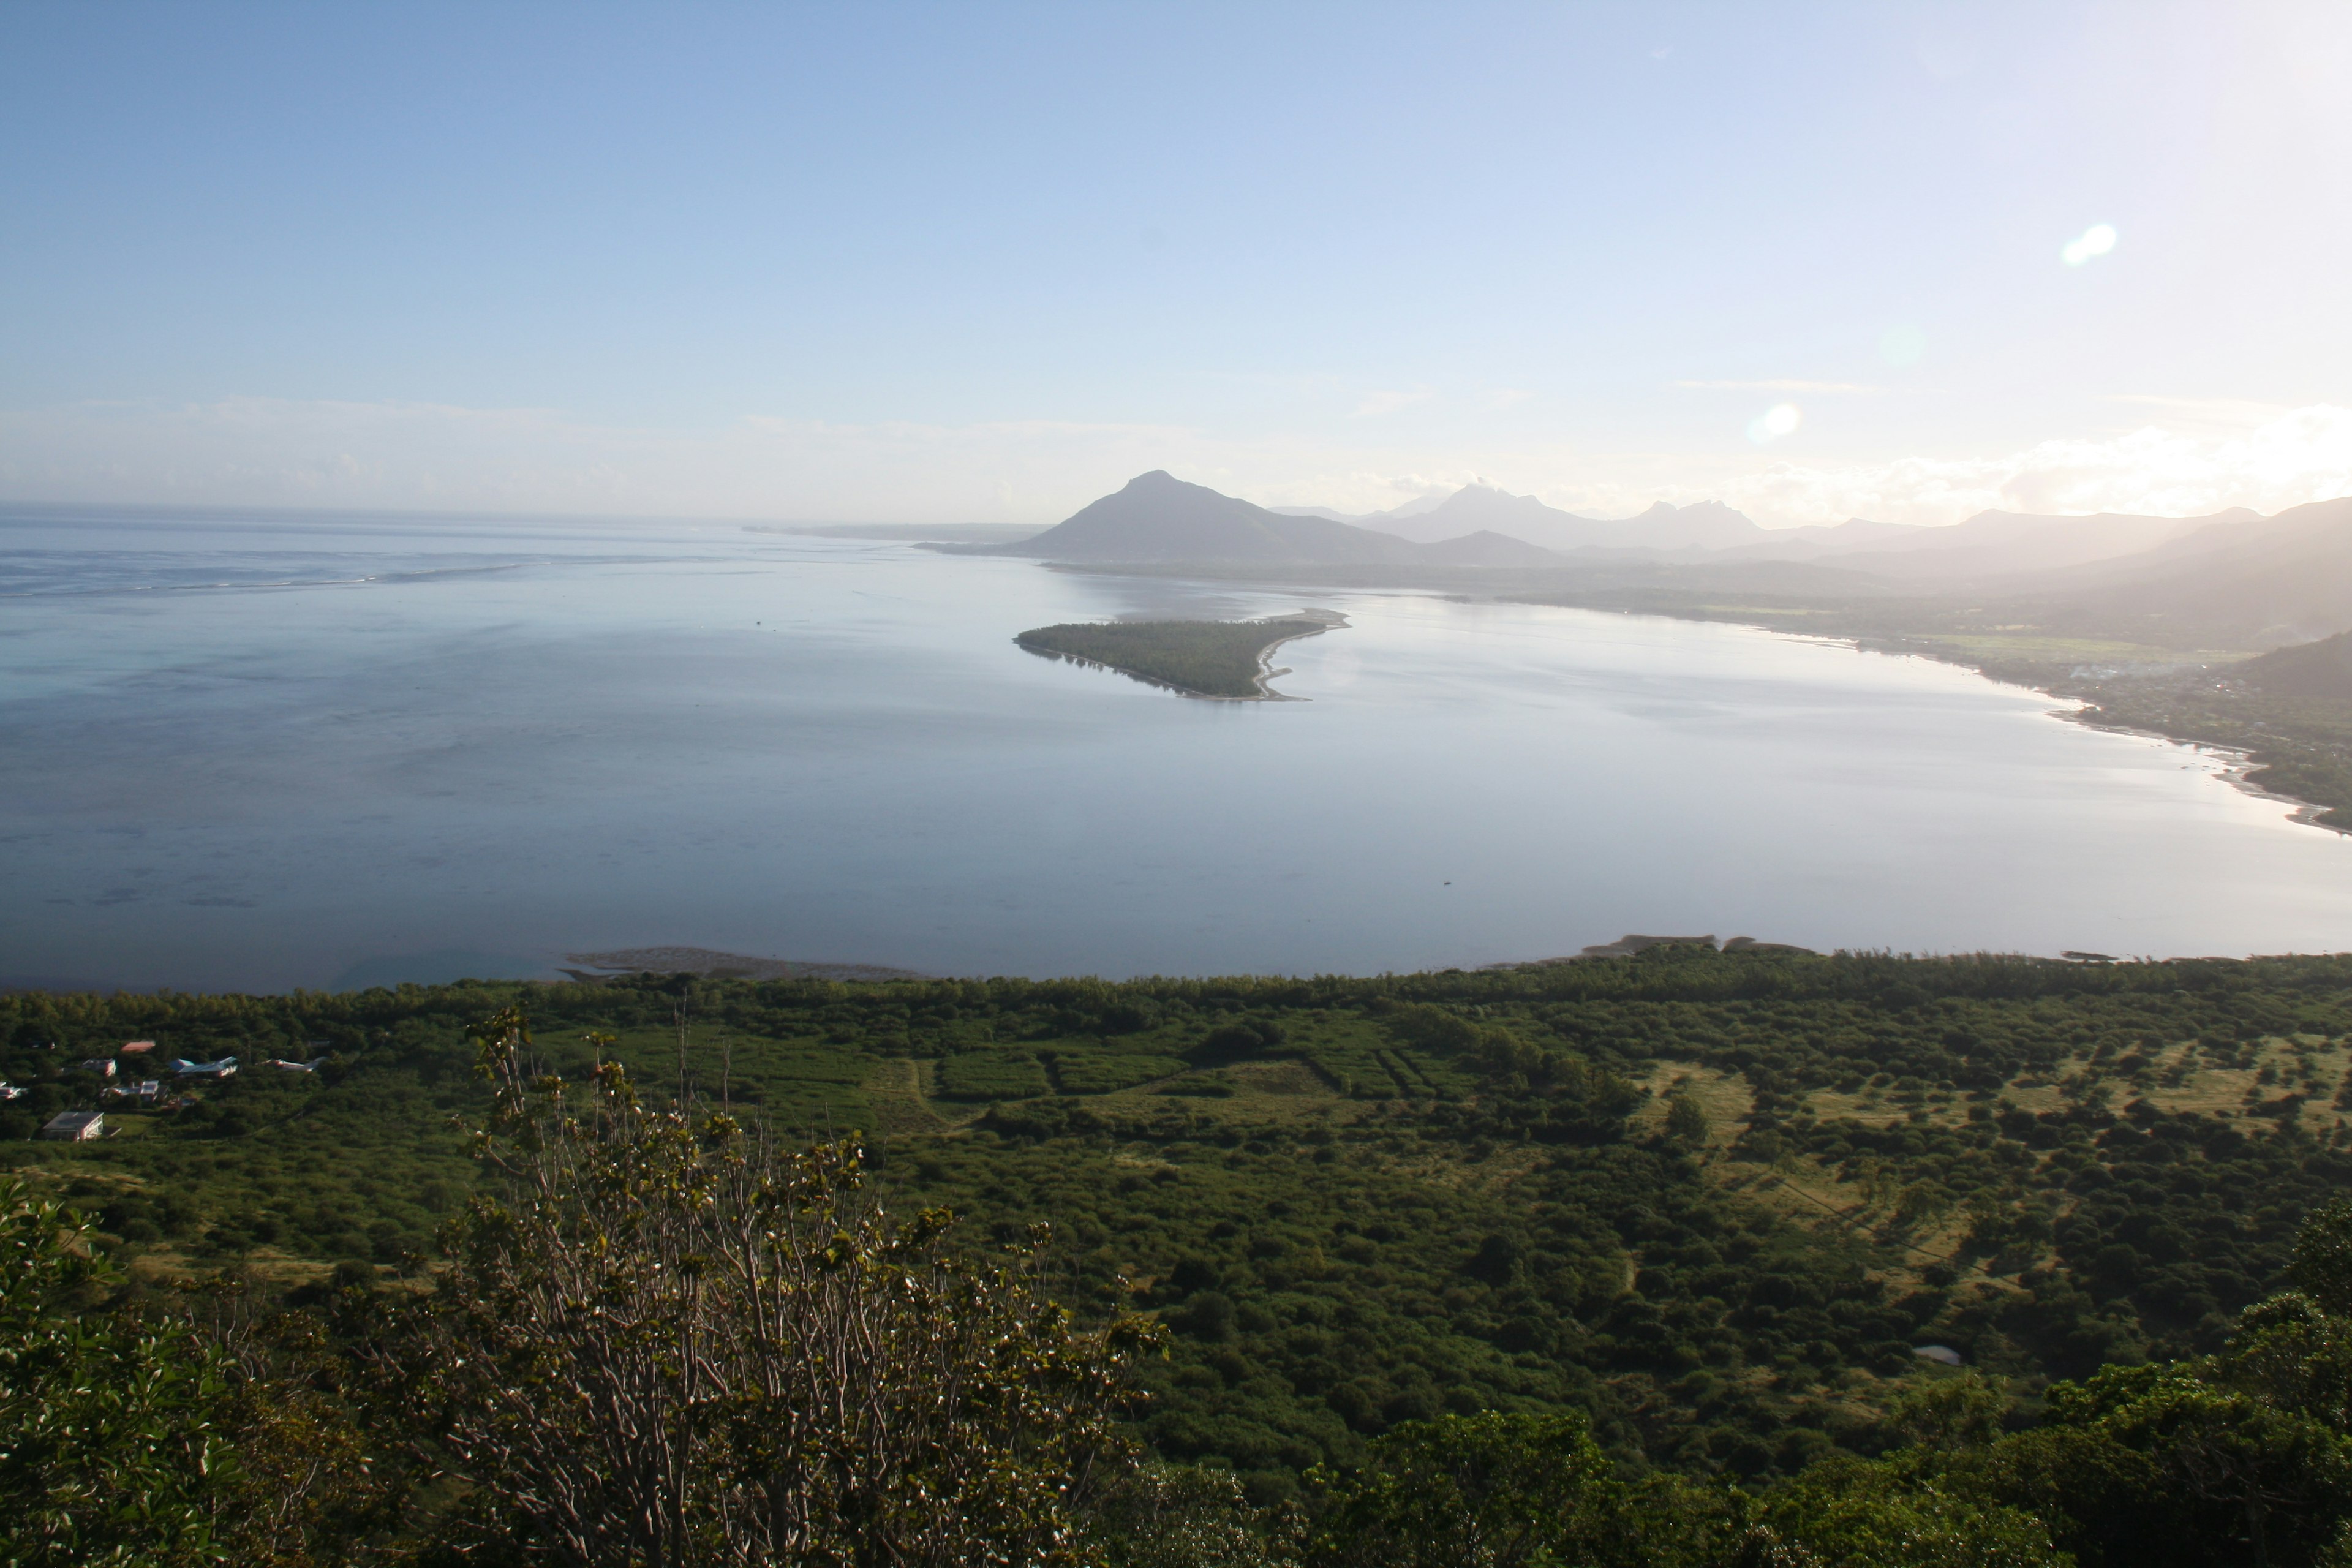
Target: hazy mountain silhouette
2231, 580
1707, 525
1989, 546
2250, 581
1158, 517
1816, 540
2321, 669
1486, 548
1999, 543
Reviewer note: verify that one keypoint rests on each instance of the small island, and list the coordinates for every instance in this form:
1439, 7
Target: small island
1224, 660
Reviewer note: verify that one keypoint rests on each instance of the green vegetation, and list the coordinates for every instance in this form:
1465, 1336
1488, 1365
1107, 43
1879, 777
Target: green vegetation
1204, 659
1688, 1211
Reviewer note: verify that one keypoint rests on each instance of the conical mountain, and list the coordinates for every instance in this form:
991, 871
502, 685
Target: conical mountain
1158, 517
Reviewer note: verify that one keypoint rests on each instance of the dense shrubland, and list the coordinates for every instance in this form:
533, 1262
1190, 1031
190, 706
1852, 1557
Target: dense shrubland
1622, 1248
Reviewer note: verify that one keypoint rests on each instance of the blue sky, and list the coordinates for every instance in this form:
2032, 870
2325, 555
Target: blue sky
973, 262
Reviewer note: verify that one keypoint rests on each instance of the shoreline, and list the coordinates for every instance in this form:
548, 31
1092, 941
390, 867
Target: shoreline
2243, 774
1332, 621
2239, 770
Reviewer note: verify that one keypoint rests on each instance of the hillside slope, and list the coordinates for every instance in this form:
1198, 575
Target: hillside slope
2259, 583
2321, 671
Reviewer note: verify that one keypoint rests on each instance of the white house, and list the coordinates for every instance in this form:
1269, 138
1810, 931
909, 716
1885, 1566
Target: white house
224, 1067
75, 1126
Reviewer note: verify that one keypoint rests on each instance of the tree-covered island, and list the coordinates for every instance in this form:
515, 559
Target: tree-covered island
1224, 660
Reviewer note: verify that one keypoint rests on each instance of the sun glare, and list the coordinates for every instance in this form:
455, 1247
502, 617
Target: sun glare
1774, 423
2096, 240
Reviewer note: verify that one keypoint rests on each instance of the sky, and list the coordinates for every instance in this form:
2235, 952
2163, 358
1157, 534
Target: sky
957, 263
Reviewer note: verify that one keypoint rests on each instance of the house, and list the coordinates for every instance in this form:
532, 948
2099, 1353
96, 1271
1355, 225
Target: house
224, 1067
299, 1067
10, 1092
102, 1066
75, 1126
135, 1046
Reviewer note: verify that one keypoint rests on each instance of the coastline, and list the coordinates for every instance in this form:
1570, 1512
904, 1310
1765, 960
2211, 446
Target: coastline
2239, 770
1332, 621
2270, 741
2242, 766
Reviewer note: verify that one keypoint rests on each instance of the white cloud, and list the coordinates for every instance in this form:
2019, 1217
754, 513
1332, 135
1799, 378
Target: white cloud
2222, 413
2301, 456
1777, 386
1389, 402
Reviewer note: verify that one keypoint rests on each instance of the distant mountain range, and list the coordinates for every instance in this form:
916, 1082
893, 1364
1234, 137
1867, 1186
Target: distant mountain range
1709, 525
1989, 545
2251, 579
1158, 517
2243, 581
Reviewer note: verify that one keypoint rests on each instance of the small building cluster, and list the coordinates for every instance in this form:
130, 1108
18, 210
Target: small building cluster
224, 1067
143, 1093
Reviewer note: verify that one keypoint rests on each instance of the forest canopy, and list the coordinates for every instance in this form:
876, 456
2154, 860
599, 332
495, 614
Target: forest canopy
1706, 1208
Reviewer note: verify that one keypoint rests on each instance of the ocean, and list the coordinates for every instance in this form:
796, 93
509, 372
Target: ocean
260, 750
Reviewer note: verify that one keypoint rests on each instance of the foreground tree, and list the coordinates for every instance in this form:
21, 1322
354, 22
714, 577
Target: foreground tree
667, 1340
1516, 1491
2240, 1457
111, 1447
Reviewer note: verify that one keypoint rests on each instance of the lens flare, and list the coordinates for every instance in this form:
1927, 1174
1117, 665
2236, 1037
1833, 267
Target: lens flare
2096, 240
1774, 423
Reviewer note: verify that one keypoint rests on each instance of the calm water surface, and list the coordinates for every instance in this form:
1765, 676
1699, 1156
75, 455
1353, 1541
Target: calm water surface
341, 750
